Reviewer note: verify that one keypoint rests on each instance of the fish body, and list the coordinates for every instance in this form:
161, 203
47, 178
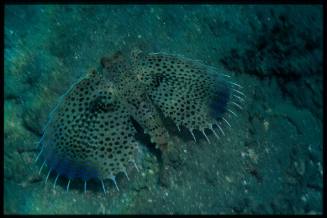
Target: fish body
90, 134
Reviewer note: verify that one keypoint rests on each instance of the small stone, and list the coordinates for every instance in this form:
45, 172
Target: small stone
299, 167
253, 155
310, 148
291, 180
320, 168
304, 198
228, 179
266, 125
312, 212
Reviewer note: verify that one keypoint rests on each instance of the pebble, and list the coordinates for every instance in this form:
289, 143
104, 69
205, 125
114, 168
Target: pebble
312, 212
299, 167
291, 180
304, 198
266, 125
228, 179
310, 148
253, 155
320, 168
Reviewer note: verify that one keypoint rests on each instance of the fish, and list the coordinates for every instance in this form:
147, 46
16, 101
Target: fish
90, 133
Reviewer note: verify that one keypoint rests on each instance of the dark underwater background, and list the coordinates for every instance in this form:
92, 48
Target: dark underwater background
269, 162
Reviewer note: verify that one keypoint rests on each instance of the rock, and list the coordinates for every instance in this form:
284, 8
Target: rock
299, 167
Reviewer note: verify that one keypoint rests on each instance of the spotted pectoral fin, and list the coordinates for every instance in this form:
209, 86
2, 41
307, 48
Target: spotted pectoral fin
89, 134
192, 94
